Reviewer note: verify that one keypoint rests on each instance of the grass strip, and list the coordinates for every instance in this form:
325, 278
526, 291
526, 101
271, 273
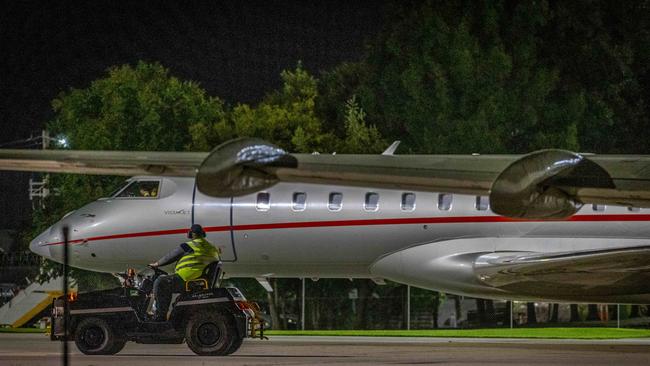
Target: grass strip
21, 330
550, 333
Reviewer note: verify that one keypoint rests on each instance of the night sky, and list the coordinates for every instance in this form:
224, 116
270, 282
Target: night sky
234, 50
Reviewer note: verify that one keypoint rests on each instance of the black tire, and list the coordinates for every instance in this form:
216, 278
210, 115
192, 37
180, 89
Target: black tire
235, 345
94, 336
210, 334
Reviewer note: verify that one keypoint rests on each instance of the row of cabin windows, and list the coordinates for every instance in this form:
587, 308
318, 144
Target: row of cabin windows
150, 189
371, 201
602, 208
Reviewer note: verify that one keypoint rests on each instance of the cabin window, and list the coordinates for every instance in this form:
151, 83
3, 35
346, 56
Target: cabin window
444, 201
299, 201
372, 201
408, 201
263, 201
482, 203
141, 189
335, 202
633, 209
599, 208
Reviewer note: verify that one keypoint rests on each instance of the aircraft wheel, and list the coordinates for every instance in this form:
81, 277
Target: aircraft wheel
94, 336
210, 334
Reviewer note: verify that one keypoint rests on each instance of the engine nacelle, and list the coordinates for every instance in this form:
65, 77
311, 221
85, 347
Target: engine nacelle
234, 167
541, 185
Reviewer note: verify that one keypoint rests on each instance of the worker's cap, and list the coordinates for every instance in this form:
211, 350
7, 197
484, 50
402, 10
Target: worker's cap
197, 229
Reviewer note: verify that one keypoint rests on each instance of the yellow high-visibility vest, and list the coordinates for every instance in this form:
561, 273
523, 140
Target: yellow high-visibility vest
191, 265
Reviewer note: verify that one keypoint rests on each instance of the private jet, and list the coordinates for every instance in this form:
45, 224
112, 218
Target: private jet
551, 225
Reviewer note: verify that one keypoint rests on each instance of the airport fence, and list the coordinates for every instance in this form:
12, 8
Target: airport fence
362, 304
359, 304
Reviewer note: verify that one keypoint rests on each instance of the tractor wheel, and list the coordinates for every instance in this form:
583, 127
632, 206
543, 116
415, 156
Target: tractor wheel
210, 334
94, 336
235, 345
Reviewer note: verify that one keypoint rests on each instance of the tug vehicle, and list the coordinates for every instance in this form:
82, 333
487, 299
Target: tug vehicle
212, 320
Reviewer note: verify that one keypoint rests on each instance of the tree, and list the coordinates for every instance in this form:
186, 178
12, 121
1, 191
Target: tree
503, 77
458, 310
438, 299
490, 313
608, 43
553, 313
137, 107
575, 314
365, 289
592, 313
507, 314
285, 117
531, 313
288, 118
359, 138
481, 311
447, 81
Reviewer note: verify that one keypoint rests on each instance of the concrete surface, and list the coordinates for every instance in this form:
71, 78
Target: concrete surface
36, 349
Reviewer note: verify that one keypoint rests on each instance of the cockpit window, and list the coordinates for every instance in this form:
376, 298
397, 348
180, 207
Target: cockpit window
141, 189
120, 188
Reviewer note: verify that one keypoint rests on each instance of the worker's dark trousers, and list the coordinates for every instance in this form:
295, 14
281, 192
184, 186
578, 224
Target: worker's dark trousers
163, 289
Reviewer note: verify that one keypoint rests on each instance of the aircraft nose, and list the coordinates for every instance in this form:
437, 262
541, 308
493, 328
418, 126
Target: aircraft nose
39, 245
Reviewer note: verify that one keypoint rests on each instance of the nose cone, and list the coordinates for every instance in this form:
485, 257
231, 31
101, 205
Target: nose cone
40, 245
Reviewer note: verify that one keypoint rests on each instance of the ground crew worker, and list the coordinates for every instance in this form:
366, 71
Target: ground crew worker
192, 256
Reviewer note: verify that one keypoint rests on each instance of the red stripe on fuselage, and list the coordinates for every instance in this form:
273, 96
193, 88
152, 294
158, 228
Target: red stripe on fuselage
369, 222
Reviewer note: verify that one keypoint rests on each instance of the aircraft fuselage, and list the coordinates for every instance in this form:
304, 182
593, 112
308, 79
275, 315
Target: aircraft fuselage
319, 231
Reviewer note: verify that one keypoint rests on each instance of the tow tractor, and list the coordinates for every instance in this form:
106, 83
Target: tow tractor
212, 320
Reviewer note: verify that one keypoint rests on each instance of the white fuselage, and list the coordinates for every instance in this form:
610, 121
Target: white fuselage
321, 239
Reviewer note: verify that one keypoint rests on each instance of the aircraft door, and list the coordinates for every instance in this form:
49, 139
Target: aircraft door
214, 214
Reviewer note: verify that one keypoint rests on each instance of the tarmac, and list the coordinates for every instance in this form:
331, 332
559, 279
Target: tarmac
37, 349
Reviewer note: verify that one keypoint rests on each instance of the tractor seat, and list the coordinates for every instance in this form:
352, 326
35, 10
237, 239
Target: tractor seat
208, 279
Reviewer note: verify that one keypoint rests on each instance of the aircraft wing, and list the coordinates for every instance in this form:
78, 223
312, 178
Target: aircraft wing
125, 163
585, 268
500, 267
622, 270
546, 184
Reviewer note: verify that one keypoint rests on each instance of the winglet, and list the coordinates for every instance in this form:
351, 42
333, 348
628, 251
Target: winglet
391, 149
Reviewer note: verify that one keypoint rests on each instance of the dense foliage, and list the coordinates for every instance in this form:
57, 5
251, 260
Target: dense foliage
505, 77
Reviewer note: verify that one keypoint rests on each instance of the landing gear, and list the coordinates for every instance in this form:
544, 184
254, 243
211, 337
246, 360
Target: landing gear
94, 336
210, 334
